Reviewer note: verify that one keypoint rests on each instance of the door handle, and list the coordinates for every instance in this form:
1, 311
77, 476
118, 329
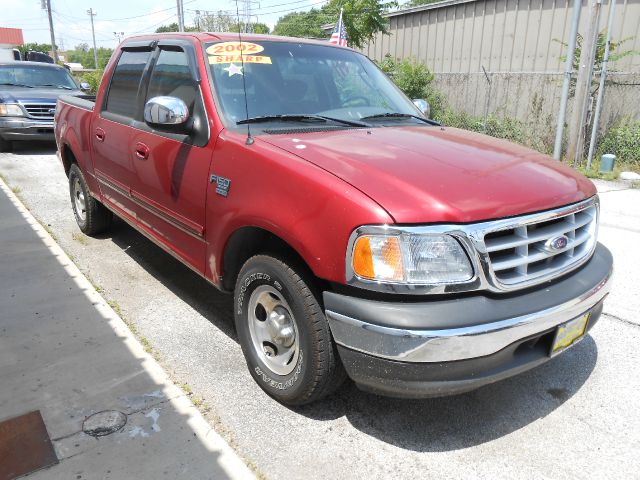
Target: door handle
142, 151
100, 134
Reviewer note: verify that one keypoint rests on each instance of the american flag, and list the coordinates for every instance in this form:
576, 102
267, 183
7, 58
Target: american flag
339, 36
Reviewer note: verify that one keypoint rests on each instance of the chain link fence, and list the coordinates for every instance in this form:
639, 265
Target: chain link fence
523, 106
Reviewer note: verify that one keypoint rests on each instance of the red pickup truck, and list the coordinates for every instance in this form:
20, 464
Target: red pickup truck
359, 238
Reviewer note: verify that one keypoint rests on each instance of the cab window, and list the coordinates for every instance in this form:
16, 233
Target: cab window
123, 89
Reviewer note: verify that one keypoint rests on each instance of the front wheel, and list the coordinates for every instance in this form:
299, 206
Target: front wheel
283, 332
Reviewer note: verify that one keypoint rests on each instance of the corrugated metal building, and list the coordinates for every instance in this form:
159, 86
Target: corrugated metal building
518, 42
461, 36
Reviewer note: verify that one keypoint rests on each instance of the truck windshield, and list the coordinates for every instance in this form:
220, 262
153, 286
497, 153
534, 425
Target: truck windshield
288, 80
36, 76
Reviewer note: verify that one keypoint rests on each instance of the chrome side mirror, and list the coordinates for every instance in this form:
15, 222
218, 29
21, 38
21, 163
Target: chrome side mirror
85, 87
423, 106
166, 111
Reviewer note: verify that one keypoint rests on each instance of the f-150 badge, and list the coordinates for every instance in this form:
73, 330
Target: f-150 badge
222, 185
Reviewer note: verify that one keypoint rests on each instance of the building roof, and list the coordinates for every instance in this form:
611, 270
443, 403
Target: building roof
429, 6
11, 36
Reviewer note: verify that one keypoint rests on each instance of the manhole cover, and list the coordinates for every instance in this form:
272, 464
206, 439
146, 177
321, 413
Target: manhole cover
104, 423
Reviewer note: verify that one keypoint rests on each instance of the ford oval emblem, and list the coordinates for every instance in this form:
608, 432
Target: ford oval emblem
556, 244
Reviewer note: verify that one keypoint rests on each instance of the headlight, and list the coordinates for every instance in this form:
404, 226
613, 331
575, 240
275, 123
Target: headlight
410, 259
10, 110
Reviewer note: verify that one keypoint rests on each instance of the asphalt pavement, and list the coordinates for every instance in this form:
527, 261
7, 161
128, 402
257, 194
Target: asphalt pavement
574, 417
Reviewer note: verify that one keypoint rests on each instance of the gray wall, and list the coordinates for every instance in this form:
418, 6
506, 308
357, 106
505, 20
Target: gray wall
517, 42
461, 36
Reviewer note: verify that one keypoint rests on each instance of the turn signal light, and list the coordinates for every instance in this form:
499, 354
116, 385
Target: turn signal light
378, 258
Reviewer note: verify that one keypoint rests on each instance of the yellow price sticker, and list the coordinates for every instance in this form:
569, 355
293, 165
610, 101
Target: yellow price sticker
234, 48
219, 59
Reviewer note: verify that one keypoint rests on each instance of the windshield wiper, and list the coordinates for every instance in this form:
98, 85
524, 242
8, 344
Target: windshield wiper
16, 84
300, 118
401, 115
54, 85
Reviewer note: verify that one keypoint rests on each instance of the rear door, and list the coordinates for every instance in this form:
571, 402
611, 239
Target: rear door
171, 164
112, 129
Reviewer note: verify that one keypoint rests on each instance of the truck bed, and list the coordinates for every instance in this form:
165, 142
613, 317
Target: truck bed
86, 102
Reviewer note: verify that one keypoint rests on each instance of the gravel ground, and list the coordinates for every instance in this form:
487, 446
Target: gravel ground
573, 417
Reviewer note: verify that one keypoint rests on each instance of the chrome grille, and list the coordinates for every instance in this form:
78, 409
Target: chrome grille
522, 253
40, 110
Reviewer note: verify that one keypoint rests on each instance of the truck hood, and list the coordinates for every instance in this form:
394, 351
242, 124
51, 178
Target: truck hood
10, 94
433, 174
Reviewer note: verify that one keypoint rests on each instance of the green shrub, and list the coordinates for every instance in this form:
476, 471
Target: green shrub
415, 80
93, 79
623, 140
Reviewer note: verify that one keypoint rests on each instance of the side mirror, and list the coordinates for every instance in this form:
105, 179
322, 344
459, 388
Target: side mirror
423, 106
166, 111
85, 87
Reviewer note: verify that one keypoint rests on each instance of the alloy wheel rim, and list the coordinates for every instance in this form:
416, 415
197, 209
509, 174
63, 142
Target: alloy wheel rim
79, 201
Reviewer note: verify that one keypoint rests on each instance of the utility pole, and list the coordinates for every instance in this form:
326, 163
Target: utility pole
583, 83
118, 36
92, 14
54, 49
603, 77
568, 71
180, 16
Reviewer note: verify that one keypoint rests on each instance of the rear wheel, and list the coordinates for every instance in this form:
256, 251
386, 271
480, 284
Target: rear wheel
92, 217
283, 332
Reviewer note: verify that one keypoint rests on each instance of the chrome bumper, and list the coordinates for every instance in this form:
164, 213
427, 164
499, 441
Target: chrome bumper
485, 337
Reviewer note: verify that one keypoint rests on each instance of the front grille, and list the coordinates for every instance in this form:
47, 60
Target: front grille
44, 111
522, 253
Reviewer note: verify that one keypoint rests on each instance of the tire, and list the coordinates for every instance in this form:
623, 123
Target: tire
5, 145
272, 297
92, 217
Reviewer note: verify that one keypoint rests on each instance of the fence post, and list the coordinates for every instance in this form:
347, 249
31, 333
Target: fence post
486, 106
568, 70
583, 83
603, 77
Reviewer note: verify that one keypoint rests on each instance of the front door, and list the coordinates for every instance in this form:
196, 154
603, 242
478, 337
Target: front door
171, 164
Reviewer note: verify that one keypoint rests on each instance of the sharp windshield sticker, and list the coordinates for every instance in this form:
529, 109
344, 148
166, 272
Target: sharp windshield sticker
236, 52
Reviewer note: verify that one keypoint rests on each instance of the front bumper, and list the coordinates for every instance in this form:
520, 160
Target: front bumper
23, 128
417, 349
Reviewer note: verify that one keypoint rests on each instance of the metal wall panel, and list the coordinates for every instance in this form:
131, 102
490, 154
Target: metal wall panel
461, 36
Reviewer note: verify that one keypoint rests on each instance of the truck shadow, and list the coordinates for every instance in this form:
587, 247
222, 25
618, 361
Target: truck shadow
430, 425
199, 294
462, 421
34, 148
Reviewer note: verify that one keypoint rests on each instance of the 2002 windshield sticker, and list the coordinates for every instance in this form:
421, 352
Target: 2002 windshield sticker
236, 52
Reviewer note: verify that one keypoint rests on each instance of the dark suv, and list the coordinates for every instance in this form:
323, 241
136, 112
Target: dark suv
28, 95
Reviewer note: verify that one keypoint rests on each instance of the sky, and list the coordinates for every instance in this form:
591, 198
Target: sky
72, 24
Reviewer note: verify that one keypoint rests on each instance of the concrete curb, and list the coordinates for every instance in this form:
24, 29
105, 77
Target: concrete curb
228, 459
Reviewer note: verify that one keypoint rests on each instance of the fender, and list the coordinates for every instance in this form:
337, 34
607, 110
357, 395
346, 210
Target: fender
311, 210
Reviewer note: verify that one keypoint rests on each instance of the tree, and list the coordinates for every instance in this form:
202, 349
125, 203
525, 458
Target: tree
35, 47
173, 27
84, 55
363, 19
417, 3
303, 24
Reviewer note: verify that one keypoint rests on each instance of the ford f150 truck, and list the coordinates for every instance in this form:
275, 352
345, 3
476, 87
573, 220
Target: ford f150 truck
359, 238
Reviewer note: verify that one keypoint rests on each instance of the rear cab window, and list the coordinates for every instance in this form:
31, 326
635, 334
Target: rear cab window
122, 96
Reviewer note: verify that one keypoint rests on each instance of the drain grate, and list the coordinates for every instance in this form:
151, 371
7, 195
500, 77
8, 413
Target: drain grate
25, 446
104, 423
